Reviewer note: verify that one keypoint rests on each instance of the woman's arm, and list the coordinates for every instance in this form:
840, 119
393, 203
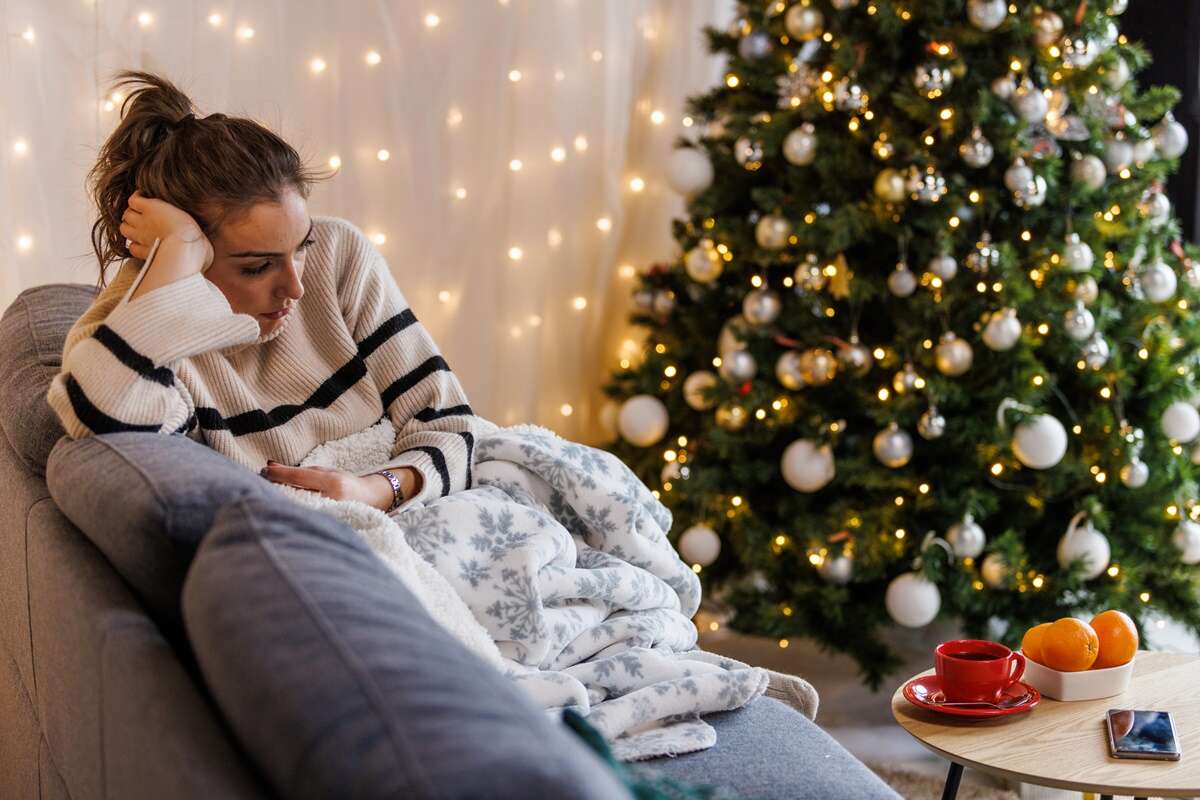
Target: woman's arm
435, 425
117, 361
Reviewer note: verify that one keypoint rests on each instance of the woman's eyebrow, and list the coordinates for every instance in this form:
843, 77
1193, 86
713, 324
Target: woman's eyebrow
263, 254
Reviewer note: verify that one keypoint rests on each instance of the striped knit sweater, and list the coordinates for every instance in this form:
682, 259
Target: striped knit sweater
178, 360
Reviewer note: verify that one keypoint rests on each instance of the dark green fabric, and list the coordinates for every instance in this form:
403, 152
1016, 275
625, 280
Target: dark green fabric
644, 783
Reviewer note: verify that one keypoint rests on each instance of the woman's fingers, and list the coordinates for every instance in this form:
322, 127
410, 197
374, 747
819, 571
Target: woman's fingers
300, 477
136, 200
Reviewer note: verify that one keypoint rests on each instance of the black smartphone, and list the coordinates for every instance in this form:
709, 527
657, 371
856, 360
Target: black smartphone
1141, 734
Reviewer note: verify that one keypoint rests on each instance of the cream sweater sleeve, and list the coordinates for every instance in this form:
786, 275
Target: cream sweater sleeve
436, 427
117, 371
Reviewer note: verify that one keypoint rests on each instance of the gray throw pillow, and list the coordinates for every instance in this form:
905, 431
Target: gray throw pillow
146, 500
32, 332
339, 684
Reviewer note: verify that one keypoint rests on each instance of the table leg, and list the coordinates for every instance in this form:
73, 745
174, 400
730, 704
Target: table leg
952, 778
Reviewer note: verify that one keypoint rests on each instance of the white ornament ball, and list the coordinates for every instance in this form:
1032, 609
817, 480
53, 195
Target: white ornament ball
1117, 75
1078, 322
902, 282
1181, 422
1118, 7
1004, 86
699, 544
643, 420
994, 571
944, 266
733, 335
703, 263
1003, 330
1087, 290
1087, 544
689, 171
966, 537
912, 600
671, 471
1158, 282
1090, 171
987, 15
1144, 150
804, 23
836, 569
772, 232
1118, 154
1040, 441
1018, 175
1048, 28
694, 387
1170, 137
1187, 539
1156, 208
1135, 474
807, 466
953, 355
800, 146
787, 370
738, 366
1078, 256
1029, 102
893, 446
761, 306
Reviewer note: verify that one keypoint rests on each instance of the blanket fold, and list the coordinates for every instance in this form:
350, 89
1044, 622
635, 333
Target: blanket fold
556, 568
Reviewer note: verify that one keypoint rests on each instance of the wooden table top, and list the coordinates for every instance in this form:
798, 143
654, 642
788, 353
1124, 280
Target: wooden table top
1064, 744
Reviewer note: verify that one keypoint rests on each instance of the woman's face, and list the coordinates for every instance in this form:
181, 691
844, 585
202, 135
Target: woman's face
258, 259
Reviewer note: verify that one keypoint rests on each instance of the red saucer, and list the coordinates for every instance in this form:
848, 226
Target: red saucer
918, 690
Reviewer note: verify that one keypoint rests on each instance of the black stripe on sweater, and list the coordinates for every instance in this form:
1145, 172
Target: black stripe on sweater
96, 420
132, 358
259, 420
470, 440
430, 414
386, 331
439, 463
412, 378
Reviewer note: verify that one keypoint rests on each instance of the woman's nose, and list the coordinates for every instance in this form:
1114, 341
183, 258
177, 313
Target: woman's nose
292, 288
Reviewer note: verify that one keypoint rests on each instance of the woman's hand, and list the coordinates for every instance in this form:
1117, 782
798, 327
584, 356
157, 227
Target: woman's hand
374, 490
146, 219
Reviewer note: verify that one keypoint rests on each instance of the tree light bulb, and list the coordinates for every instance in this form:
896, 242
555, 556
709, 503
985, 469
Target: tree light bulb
145, 19
432, 20
317, 65
373, 57
27, 35
216, 20
335, 162
24, 242
515, 253
579, 303
245, 33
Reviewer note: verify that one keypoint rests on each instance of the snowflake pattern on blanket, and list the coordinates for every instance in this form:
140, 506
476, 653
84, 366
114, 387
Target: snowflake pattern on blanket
556, 568
561, 552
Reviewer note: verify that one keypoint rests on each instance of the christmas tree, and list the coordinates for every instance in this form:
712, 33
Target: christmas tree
928, 347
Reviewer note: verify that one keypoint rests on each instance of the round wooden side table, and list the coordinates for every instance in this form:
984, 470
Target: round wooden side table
1063, 745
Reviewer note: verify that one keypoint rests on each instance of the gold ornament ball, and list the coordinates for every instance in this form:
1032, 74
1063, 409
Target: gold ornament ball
732, 417
817, 366
953, 355
889, 185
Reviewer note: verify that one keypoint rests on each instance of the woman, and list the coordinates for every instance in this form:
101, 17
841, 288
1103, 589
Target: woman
254, 328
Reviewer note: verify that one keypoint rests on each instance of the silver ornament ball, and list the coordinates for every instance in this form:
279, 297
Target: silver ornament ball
893, 446
761, 306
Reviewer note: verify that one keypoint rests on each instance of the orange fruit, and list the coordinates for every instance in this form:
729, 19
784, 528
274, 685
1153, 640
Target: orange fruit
1031, 643
1069, 645
1118, 638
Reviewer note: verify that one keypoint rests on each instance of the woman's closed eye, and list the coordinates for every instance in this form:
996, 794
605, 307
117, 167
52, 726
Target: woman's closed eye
261, 268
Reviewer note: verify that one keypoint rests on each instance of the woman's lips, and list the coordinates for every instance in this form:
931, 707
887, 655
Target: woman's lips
277, 314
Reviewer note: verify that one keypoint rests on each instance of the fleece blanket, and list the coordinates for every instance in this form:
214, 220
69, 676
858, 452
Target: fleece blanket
555, 567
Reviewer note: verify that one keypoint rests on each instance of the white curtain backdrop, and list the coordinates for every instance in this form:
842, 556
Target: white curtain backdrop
522, 272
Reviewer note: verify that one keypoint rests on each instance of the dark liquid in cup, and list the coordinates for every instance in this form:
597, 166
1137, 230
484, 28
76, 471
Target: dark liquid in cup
976, 656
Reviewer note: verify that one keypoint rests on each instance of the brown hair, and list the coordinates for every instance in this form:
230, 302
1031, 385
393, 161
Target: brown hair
211, 167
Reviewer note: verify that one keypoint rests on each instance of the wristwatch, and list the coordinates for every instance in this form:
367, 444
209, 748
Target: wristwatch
397, 492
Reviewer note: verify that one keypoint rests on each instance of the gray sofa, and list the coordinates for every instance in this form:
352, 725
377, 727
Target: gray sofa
117, 683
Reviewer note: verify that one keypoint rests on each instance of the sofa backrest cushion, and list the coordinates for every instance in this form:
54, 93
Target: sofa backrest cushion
146, 500
338, 683
32, 332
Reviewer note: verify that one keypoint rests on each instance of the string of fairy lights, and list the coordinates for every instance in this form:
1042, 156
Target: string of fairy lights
560, 154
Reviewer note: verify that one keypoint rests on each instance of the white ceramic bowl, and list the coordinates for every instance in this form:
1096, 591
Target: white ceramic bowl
1088, 684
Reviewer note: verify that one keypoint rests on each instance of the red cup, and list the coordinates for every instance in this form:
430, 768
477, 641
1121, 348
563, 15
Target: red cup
976, 670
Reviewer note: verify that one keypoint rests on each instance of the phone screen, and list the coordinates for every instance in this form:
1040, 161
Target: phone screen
1142, 734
